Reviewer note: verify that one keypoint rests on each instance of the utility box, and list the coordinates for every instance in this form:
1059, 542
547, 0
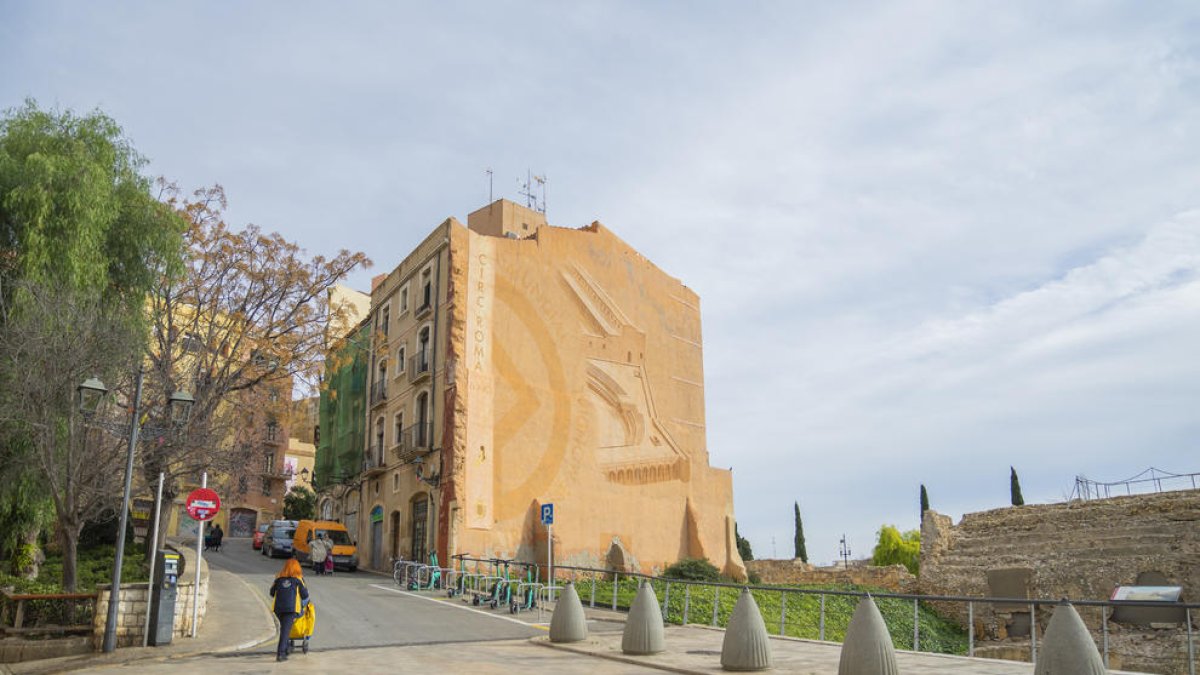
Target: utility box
162, 598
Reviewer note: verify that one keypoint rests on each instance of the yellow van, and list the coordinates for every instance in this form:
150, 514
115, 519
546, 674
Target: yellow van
345, 553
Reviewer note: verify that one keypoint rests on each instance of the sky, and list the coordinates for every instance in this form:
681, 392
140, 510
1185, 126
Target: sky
932, 240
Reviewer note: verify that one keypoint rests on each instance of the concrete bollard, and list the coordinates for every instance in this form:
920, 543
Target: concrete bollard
568, 624
644, 627
867, 647
1068, 646
746, 646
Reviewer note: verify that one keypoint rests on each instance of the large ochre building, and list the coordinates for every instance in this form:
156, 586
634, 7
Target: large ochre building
512, 364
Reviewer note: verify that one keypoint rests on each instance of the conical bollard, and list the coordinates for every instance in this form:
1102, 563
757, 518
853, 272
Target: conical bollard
644, 627
867, 647
568, 624
746, 646
1068, 646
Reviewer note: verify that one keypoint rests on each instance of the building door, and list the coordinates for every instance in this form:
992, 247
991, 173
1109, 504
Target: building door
242, 522
395, 534
377, 545
420, 514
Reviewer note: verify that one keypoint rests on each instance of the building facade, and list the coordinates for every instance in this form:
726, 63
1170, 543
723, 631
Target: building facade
513, 364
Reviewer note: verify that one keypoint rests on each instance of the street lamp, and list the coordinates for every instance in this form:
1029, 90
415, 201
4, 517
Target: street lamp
179, 405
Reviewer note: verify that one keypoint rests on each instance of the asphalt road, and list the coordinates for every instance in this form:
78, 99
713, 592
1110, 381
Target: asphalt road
362, 609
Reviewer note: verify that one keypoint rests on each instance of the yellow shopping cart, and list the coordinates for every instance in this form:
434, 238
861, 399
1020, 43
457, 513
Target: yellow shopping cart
302, 629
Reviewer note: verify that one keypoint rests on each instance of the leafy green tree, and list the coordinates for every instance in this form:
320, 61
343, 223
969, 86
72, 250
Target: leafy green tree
300, 503
743, 545
801, 549
1014, 486
80, 228
894, 548
924, 501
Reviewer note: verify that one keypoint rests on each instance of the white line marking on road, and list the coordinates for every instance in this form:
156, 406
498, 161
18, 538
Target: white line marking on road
447, 603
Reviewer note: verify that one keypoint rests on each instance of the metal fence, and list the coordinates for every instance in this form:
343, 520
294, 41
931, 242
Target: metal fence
1149, 481
46, 613
917, 622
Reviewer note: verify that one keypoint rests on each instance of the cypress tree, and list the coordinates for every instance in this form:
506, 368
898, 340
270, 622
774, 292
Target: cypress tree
1014, 486
924, 501
801, 551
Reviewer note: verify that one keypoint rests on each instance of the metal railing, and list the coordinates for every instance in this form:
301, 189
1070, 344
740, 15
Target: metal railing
414, 440
379, 392
1149, 481
916, 622
418, 367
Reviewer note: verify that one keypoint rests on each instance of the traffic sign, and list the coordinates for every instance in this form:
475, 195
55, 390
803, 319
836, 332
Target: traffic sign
547, 514
203, 504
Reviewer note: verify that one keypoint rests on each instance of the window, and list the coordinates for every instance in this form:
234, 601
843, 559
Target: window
243, 485
375, 485
396, 482
404, 298
398, 428
316, 434
191, 343
268, 462
266, 487
400, 359
426, 288
386, 318
272, 431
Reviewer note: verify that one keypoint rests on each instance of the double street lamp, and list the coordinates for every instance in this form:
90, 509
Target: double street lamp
179, 405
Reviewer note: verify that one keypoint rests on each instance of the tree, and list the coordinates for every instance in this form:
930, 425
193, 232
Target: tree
300, 504
924, 501
743, 545
79, 228
801, 550
1014, 487
49, 344
894, 548
245, 319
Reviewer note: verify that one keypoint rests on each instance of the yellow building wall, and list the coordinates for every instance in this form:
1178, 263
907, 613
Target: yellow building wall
578, 372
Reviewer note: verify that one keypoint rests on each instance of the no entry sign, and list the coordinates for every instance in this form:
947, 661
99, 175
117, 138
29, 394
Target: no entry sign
203, 504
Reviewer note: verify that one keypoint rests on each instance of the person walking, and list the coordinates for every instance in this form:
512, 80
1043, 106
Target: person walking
317, 550
290, 594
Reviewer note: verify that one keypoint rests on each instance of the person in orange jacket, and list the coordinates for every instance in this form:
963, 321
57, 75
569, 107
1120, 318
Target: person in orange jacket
290, 594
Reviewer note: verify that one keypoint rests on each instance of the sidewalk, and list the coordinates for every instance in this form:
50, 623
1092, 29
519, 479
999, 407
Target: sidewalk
236, 619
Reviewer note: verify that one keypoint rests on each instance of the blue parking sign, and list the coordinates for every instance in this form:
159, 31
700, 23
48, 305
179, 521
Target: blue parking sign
547, 514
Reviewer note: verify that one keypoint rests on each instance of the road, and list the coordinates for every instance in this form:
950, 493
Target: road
362, 609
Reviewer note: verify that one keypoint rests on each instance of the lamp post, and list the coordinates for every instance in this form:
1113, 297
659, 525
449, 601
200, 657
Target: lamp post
179, 405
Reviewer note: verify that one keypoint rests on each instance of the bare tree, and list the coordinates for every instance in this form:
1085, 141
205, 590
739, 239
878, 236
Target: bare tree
247, 316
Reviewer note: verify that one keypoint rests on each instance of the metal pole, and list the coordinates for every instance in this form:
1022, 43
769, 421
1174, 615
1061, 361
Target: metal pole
666, 601
821, 626
716, 603
1104, 629
916, 626
550, 558
1033, 633
1191, 652
114, 598
970, 629
592, 602
616, 583
153, 559
687, 600
783, 612
199, 554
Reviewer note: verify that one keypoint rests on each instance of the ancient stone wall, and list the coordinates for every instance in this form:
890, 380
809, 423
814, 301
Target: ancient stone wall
893, 578
1078, 550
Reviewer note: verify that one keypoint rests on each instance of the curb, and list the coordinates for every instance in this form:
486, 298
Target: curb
619, 658
268, 618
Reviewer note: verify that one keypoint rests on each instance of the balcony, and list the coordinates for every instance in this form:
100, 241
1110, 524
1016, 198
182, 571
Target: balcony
273, 434
424, 308
414, 441
378, 392
276, 473
419, 367
372, 463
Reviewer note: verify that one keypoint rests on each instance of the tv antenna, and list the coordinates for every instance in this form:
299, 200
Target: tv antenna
488, 171
844, 551
529, 190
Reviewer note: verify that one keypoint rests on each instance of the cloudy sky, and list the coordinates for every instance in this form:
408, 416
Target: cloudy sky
932, 240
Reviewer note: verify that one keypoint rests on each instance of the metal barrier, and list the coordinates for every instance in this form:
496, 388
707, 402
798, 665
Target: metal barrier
51, 613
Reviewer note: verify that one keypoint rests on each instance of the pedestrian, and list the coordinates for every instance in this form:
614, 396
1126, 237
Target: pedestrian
290, 595
317, 550
217, 535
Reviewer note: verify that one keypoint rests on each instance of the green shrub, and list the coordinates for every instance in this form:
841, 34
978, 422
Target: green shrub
693, 569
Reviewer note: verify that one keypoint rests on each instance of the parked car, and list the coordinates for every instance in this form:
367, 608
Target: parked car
277, 542
258, 536
345, 550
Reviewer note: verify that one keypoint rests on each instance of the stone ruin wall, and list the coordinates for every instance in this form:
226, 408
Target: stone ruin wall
1078, 550
894, 578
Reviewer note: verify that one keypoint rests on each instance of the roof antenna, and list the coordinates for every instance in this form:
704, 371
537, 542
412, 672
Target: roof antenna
529, 191
488, 171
